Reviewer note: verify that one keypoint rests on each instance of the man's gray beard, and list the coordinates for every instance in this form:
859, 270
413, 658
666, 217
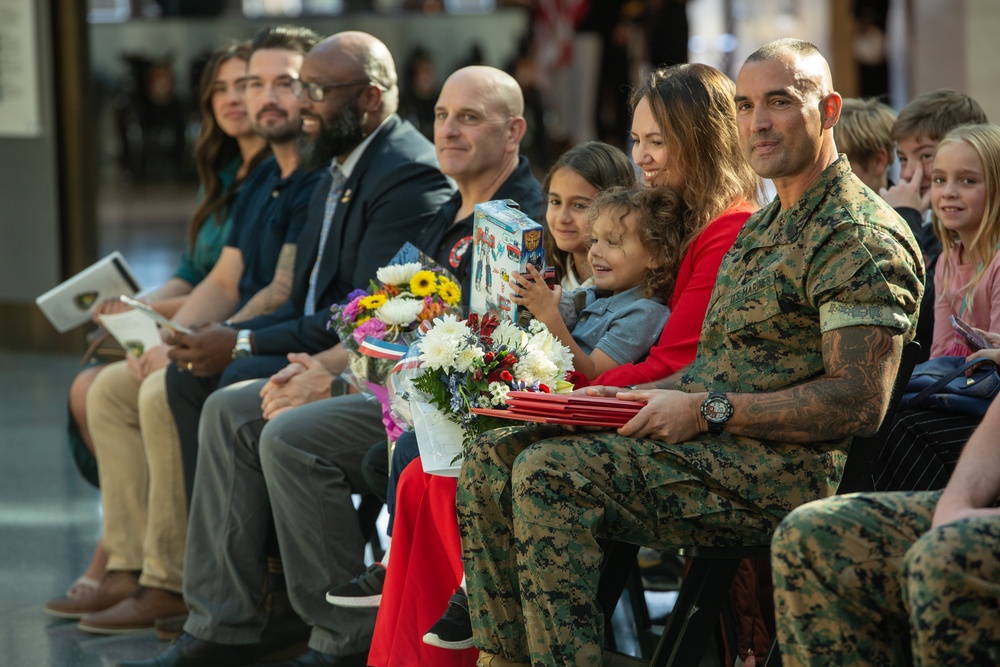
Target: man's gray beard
336, 136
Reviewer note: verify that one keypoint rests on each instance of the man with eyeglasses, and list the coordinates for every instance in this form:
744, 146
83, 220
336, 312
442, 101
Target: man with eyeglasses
381, 188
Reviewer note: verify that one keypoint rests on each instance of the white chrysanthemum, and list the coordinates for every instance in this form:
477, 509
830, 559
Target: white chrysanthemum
449, 325
400, 311
484, 401
560, 355
507, 333
398, 274
439, 350
467, 357
533, 365
498, 394
536, 326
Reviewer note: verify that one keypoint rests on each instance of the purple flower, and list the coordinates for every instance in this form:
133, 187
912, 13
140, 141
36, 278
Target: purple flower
352, 308
356, 294
373, 327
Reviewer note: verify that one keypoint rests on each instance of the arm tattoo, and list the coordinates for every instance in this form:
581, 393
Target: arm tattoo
851, 399
276, 293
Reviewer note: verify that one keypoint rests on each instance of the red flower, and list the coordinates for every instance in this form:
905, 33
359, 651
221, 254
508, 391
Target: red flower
489, 323
489, 357
544, 388
483, 325
506, 376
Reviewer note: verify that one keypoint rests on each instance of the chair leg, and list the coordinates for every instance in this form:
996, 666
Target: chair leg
696, 611
618, 561
637, 596
773, 657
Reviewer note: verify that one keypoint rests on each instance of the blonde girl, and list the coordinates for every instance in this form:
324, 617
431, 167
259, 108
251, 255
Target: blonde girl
965, 198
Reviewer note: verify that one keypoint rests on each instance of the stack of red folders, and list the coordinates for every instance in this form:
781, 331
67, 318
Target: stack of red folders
576, 409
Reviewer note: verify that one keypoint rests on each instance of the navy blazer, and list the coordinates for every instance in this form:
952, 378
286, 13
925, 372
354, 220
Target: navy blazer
393, 191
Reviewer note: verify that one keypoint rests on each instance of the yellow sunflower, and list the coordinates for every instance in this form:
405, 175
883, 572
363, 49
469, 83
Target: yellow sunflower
423, 283
373, 301
450, 292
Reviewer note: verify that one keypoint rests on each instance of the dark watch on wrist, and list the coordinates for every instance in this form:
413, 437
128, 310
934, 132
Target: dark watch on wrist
716, 410
243, 348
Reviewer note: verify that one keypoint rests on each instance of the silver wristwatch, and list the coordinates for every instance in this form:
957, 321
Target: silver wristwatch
243, 348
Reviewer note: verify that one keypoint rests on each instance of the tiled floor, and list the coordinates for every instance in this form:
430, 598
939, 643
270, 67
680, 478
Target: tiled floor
49, 522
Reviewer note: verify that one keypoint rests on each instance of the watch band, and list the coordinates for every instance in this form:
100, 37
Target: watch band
243, 348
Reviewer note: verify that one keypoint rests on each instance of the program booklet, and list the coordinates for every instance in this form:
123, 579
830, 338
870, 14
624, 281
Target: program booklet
71, 303
133, 330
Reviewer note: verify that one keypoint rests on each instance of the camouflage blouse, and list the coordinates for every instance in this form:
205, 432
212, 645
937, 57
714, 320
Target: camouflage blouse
839, 257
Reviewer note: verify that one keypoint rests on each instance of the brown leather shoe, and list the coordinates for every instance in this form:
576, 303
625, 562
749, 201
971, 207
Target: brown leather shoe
136, 613
114, 587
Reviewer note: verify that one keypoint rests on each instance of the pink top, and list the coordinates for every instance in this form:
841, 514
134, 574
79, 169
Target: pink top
695, 281
983, 313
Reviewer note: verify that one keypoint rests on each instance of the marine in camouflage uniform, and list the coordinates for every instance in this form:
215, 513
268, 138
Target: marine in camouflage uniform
852, 569
533, 501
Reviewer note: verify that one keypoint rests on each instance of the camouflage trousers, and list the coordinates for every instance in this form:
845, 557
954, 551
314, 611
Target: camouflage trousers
532, 503
850, 570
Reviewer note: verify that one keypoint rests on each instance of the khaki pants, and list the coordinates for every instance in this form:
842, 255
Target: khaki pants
142, 478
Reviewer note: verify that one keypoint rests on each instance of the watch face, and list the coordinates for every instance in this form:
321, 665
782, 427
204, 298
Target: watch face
717, 410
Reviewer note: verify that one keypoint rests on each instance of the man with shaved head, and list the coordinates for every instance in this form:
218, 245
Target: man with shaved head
797, 354
381, 187
477, 130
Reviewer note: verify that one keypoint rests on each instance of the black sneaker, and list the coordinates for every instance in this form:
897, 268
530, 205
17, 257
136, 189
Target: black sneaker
454, 629
364, 590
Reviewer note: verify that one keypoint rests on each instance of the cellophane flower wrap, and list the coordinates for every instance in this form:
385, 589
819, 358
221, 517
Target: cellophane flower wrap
391, 310
474, 363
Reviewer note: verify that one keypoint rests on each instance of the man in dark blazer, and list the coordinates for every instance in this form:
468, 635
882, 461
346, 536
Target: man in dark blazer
388, 188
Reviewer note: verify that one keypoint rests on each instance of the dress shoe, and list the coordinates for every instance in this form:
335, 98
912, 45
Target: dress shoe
313, 658
136, 613
114, 587
190, 651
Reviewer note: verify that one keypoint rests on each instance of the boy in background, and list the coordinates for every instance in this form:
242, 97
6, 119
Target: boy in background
864, 134
917, 131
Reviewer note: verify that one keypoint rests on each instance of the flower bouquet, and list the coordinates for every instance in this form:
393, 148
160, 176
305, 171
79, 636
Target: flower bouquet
474, 363
377, 325
389, 312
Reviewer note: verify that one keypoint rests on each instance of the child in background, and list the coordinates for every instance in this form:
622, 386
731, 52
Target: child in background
570, 187
923, 446
636, 238
918, 129
965, 198
864, 134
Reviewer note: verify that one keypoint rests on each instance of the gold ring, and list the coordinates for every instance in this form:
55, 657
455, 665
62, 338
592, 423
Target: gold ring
190, 367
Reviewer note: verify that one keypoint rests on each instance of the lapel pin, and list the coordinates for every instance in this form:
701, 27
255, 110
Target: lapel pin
347, 196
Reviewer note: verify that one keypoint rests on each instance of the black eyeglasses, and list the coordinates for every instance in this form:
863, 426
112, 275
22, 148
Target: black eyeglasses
317, 91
